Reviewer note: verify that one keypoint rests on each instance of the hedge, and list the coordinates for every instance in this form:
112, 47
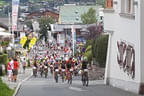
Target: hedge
99, 49
4, 59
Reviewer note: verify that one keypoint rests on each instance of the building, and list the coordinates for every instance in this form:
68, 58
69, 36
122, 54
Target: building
71, 13
47, 13
51, 14
123, 21
64, 31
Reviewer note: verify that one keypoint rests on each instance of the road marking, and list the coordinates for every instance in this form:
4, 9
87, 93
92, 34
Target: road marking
76, 89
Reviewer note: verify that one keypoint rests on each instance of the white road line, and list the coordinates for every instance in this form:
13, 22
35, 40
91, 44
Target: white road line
76, 89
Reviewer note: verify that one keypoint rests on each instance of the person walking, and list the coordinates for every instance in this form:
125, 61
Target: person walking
9, 71
24, 65
15, 69
12, 64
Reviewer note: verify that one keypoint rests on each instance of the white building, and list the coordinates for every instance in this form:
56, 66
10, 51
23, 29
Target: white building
124, 21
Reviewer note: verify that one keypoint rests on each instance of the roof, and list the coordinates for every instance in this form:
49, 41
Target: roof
61, 27
4, 23
71, 14
41, 13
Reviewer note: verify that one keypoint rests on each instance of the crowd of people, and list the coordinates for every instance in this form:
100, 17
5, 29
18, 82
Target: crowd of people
59, 60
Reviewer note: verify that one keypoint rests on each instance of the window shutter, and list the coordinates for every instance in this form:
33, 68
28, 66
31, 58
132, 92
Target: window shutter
109, 3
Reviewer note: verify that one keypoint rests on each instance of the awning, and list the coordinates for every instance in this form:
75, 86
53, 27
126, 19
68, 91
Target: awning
2, 29
5, 34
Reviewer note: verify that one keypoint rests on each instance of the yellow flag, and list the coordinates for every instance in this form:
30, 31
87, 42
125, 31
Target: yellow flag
23, 40
32, 42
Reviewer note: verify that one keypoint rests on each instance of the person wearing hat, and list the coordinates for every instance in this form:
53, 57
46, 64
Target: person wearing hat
84, 70
84, 63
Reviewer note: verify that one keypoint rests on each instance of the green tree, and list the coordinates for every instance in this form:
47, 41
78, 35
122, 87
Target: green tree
24, 1
29, 24
101, 2
89, 17
88, 53
45, 26
2, 3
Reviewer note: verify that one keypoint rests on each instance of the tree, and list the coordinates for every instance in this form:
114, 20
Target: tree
29, 24
2, 3
66, 1
24, 1
101, 2
45, 26
88, 53
89, 17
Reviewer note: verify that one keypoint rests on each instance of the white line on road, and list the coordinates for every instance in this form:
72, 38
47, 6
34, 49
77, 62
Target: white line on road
76, 89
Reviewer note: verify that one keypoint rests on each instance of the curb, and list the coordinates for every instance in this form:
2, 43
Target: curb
19, 85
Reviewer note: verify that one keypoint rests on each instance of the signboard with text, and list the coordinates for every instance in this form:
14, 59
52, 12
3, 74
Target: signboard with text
15, 5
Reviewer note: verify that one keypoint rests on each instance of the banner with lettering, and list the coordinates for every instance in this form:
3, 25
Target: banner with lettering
23, 40
32, 42
15, 6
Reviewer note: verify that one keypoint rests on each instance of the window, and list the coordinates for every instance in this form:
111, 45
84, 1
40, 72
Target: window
109, 3
101, 17
127, 6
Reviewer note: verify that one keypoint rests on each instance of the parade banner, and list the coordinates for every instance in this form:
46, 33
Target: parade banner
15, 6
32, 42
23, 40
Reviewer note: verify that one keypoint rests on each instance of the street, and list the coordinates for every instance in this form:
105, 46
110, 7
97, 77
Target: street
47, 87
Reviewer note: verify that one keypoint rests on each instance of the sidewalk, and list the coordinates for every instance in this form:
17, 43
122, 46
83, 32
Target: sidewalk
21, 77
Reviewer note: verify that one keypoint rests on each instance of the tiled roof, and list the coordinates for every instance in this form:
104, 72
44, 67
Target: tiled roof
70, 14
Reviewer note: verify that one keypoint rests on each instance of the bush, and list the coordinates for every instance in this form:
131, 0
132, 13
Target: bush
88, 42
3, 72
99, 50
1, 59
4, 43
88, 53
4, 61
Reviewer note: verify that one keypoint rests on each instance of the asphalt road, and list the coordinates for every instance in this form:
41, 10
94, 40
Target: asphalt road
47, 87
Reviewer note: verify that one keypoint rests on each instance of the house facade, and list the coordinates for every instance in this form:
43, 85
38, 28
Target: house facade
123, 21
47, 13
71, 13
64, 31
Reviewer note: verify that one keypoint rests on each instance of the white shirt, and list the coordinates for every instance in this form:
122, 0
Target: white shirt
11, 63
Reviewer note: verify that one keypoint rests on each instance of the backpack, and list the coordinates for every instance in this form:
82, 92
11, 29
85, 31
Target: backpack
24, 63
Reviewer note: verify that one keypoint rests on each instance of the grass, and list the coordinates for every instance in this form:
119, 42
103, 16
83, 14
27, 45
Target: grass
5, 90
2, 3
